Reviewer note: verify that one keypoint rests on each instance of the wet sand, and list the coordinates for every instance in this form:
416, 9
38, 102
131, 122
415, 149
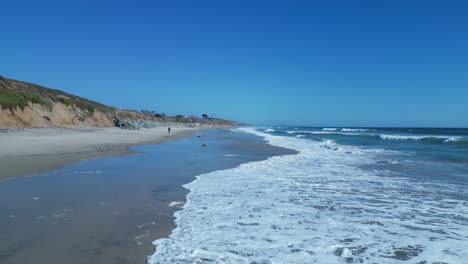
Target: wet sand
109, 210
35, 150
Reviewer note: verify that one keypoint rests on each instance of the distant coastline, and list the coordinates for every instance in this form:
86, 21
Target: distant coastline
43, 129
26, 105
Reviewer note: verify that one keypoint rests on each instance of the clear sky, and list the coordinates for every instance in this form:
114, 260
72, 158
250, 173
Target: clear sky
318, 63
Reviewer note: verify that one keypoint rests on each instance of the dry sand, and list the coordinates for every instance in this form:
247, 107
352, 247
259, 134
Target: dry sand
28, 151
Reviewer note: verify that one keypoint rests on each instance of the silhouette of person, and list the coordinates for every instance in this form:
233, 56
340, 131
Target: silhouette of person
169, 130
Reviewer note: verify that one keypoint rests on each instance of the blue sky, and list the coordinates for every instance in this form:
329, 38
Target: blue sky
318, 63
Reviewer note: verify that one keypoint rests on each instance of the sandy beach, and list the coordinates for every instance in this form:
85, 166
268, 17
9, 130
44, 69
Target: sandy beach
28, 151
109, 210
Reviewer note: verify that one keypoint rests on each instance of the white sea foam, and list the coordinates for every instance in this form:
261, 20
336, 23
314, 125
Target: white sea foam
322, 133
175, 203
347, 132
269, 130
452, 139
316, 206
346, 129
354, 129
405, 137
309, 132
400, 137
87, 172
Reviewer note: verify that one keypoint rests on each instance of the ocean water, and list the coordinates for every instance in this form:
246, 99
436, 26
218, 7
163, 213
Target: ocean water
350, 195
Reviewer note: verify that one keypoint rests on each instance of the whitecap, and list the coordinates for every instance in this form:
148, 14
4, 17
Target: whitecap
175, 203
452, 139
87, 172
425, 137
317, 206
354, 129
323, 133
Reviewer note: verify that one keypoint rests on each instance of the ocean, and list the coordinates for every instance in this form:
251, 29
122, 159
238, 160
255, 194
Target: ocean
350, 195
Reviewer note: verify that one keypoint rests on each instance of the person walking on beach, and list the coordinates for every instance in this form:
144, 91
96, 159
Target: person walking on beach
168, 130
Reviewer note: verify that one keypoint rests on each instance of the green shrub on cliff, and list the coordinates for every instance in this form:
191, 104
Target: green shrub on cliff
11, 100
36, 99
66, 101
90, 108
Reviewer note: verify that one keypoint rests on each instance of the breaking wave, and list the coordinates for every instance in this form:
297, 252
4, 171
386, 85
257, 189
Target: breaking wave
433, 139
425, 138
355, 129
316, 206
346, 129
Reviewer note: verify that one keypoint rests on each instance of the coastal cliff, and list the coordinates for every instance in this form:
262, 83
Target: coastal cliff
25, 104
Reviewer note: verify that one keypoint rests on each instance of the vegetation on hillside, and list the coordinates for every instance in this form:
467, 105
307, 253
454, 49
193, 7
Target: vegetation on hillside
15, 94
11, 100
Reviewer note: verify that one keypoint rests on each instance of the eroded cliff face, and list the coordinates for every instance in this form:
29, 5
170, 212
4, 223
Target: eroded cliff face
36, 115
24, 104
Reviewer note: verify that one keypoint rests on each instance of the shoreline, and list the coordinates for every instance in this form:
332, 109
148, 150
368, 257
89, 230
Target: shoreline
111, 210
35, 150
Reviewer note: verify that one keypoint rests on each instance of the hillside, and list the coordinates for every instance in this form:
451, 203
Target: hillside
25, 104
